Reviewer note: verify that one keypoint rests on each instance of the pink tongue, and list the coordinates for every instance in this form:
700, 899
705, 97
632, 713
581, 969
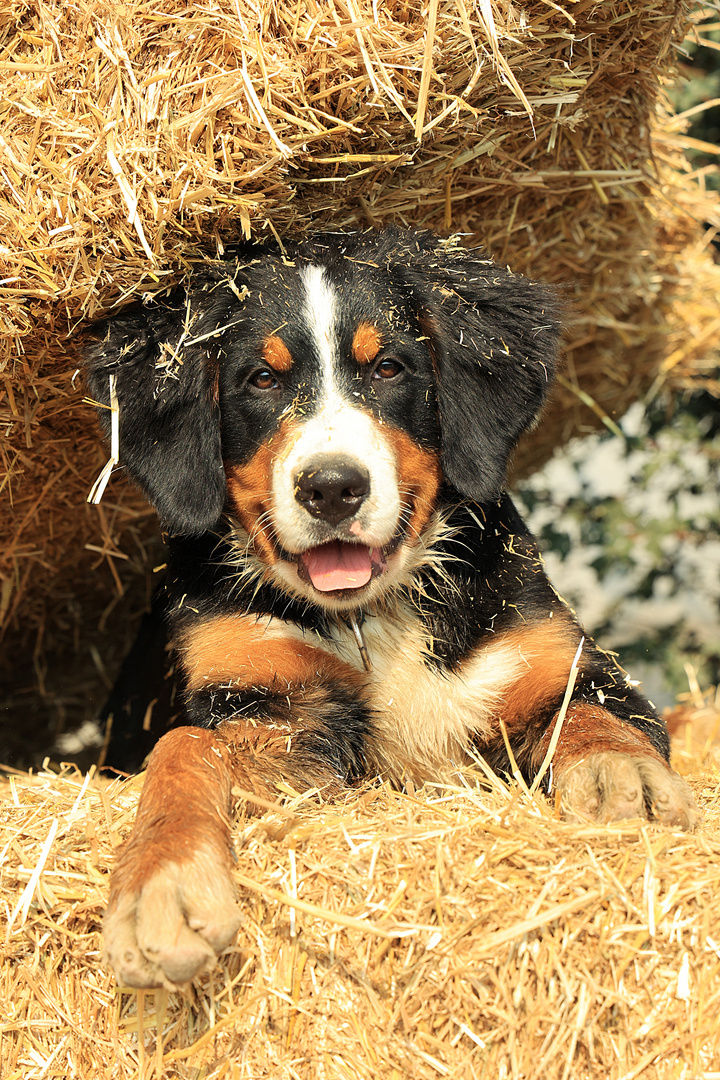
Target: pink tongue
338, 566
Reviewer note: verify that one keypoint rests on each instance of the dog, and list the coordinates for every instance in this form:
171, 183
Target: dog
324, 428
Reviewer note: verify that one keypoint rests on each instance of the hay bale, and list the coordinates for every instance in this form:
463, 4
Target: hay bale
134, 136
456, 932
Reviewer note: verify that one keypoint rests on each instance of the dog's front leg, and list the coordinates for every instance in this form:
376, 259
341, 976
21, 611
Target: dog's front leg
173, 904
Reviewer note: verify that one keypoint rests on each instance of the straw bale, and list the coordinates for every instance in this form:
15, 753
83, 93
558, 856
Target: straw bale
133, 136
459, 931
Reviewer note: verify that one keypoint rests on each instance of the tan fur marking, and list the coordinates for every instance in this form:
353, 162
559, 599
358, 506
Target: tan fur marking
419, 477
547, 650
366, 343
277, 354
237, 649
249, 493
187, 787
248, 488
591, 729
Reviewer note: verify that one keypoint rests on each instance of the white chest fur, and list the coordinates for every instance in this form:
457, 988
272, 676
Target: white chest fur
424, 717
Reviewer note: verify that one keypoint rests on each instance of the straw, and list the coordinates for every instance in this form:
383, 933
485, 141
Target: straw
453, 932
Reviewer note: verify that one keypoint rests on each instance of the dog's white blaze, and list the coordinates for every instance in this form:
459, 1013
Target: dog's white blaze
337, 428
320, 312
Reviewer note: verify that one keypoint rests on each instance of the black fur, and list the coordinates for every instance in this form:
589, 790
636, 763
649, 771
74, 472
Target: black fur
169, 417
478, 343
478, 347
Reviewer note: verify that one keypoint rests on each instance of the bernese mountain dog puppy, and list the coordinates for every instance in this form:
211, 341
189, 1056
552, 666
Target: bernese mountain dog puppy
324, 428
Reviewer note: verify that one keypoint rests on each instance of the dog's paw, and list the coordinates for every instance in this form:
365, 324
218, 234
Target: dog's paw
173, 925
610, 786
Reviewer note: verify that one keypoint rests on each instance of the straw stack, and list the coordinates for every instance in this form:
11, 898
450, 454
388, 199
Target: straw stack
133, 136
459, 932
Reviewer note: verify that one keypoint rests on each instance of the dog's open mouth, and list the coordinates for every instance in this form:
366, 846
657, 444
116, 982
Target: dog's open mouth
338, 565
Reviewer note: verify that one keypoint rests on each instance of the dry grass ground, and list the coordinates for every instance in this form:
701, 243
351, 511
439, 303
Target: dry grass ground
459, 931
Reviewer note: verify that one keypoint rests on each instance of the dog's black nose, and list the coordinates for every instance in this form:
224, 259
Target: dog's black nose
333, 491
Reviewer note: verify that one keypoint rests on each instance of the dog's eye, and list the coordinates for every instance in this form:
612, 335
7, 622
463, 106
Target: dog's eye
388, 369
264, 379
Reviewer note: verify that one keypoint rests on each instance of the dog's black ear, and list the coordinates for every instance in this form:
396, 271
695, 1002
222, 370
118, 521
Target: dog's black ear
494, 339
166, 385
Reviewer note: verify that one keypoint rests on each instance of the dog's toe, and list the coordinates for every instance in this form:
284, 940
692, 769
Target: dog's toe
668, 795
122, 952
620, 786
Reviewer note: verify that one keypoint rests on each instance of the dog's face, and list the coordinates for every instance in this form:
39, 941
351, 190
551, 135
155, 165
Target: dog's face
319, 397
330, 436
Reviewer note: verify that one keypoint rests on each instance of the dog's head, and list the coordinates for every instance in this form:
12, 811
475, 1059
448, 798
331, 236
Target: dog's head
320, 394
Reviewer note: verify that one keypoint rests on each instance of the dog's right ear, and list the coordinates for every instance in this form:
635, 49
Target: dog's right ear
166, 385
493, 337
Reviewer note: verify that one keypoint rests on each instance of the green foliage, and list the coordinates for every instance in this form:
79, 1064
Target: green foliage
630, 529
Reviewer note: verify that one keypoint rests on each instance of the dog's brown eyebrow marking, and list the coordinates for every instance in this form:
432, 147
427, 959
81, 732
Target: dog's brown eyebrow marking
366, 343
276, 353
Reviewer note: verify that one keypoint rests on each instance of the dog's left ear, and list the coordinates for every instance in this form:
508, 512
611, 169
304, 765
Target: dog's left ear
161, 357
494, 337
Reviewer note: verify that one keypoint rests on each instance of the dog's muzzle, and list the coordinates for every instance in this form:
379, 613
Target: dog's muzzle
333, 492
